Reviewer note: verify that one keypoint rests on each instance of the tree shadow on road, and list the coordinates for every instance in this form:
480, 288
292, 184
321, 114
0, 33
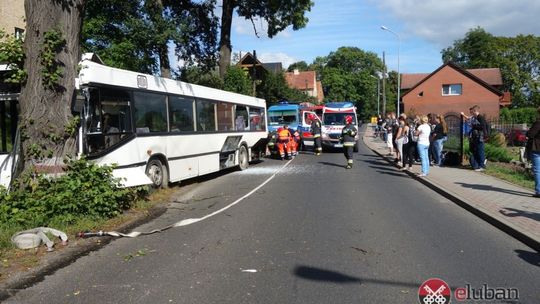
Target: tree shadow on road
491, 188
511, 212
325, 275
530, 257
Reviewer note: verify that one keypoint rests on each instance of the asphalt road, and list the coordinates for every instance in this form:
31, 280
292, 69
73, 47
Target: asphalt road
315, 233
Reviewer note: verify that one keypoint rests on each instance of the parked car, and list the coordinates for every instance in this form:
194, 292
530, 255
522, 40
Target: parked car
517, 137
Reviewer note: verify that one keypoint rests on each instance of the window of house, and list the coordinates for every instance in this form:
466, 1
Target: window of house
206, 116
241, 120
19, 33
181, 114
451, 89
150, 112
225, 116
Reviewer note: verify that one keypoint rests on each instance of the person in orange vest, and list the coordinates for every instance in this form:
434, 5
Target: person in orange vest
284, 136
295, 143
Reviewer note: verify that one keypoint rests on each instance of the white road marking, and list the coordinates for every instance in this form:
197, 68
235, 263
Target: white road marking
190, 221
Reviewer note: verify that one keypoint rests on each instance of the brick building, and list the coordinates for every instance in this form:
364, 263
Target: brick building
451, 89
306, 82
12, 16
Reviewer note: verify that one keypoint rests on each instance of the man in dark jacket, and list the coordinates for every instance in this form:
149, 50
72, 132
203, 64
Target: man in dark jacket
347, 137
533, 152
479, 134
316, 130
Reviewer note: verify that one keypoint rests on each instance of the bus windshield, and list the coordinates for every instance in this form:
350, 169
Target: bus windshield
337, 118
281, 117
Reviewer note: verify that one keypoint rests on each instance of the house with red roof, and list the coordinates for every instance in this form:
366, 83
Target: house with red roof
306, 82
451, 89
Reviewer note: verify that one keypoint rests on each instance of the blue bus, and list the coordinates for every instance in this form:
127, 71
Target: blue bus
283, 113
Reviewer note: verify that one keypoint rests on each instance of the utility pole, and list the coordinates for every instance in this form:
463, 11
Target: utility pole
254, 76
384, 86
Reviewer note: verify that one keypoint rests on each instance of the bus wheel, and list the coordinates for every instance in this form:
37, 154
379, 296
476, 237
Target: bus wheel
243, 161
157, 173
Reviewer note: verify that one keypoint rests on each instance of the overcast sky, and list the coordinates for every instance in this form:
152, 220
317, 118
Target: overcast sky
424, 26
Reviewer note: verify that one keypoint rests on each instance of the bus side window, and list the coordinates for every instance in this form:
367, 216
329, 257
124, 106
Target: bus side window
241, 121
256, 122
150, 111
181, 114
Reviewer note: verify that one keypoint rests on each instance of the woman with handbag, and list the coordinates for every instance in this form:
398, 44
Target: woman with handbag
533, 152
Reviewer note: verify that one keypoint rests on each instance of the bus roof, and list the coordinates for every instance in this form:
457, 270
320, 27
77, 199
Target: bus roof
95, 73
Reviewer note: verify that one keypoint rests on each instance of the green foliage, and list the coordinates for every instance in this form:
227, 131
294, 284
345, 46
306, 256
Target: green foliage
235, 80
517, 57
12, 53
53, 42
497, 140
85, 190
518, 116
279, 15
136, 35
498, 154
274, 88
346, 75
300, 66
197, 75
71, 127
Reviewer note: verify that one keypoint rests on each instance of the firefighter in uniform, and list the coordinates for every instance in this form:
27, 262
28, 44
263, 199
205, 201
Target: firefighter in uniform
295, 142
347, 138
316, 130
284, 136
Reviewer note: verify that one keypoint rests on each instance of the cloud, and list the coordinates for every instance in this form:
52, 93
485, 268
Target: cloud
285, 59
443, 21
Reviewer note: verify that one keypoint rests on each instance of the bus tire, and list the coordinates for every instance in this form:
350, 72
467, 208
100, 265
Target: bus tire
243, 158
158, 173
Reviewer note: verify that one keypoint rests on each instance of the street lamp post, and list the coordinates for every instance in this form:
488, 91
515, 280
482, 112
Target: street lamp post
378, 94
384, 28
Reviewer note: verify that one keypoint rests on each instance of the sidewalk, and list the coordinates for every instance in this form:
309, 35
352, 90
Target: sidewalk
509, 207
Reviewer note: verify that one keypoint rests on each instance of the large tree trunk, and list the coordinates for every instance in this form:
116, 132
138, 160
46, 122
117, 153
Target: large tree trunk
163, 49
46, 110
225, 39
164, 64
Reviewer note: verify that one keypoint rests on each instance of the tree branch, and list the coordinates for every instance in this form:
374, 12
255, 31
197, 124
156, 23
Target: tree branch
254, 28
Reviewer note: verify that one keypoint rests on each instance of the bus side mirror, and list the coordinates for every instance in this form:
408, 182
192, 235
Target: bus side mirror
77, 104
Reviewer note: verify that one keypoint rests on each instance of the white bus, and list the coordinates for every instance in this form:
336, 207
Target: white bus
159, 130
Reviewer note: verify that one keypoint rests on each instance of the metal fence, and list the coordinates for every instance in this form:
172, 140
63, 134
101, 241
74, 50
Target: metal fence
458, 132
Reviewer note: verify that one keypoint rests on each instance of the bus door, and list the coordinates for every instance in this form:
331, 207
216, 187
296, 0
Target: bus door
8, 129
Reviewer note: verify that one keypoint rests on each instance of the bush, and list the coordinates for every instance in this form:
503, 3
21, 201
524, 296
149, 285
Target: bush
498, 154
517, 116
497, 139
85, 190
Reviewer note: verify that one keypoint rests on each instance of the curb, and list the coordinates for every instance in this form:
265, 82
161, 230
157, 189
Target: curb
67, 256
507, 228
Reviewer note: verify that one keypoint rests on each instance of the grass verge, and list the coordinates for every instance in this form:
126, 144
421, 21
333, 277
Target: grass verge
15, 260
511, 173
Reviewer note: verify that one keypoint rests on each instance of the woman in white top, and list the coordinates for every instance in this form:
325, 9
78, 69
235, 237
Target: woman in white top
423, 131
